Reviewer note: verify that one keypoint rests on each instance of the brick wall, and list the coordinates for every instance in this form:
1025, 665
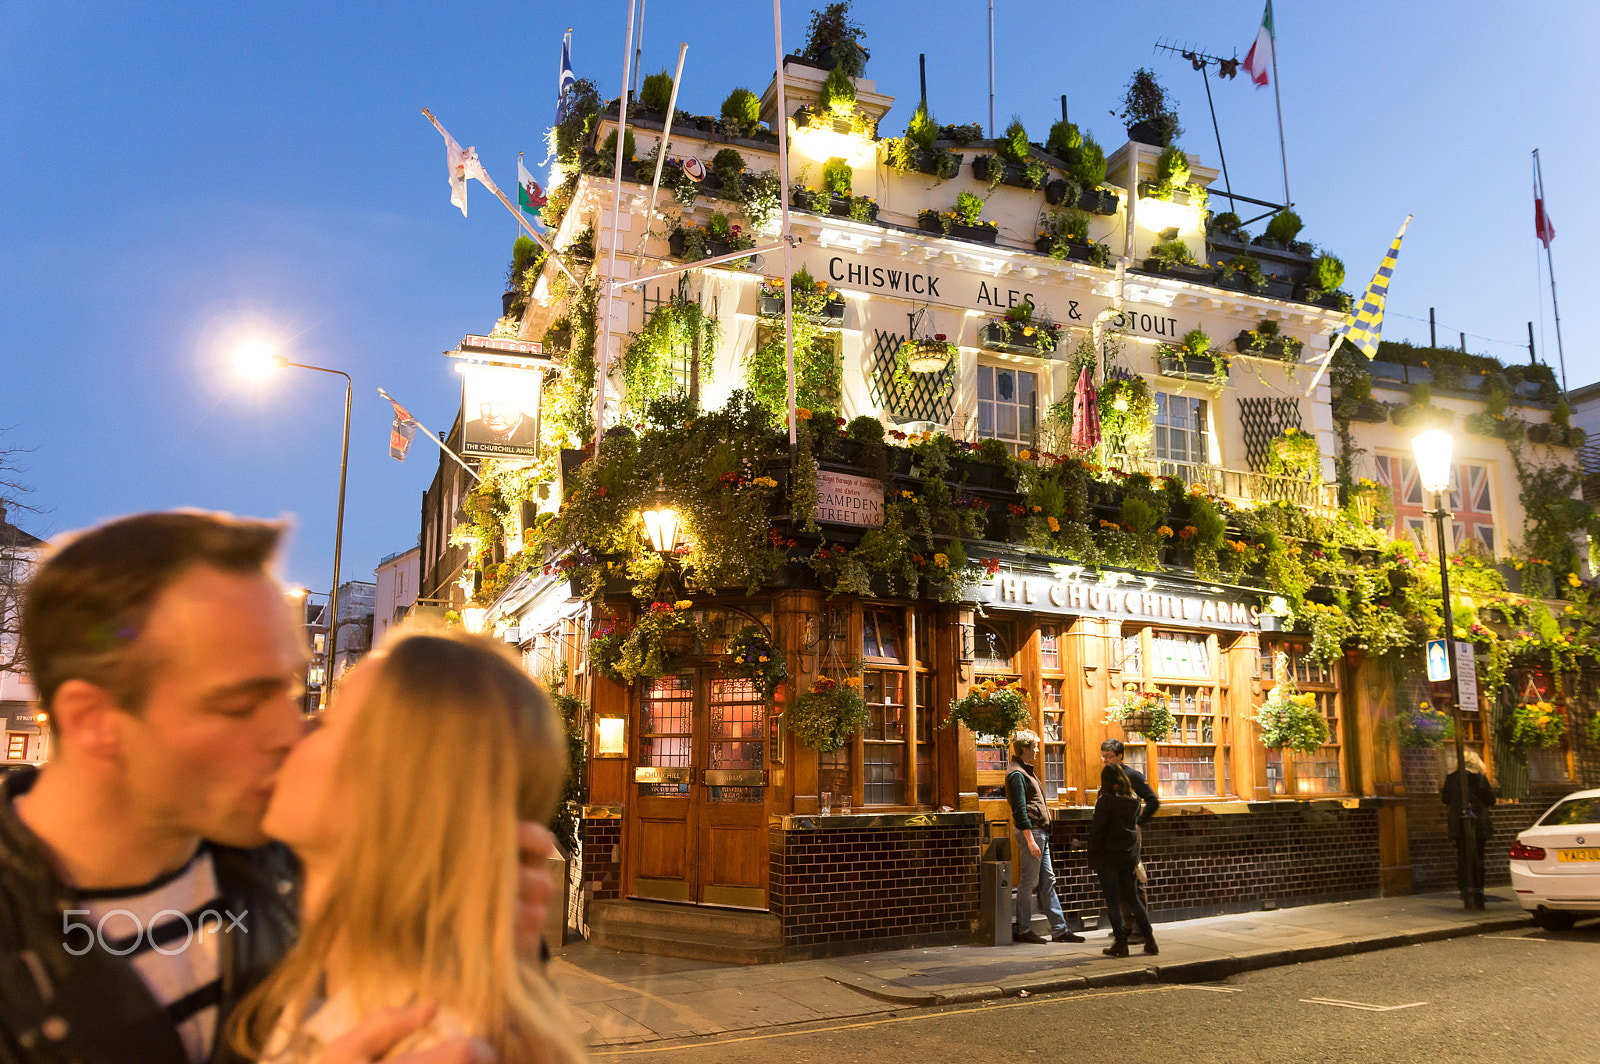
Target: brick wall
1203, 864
600, 867
848, 890
1433, 855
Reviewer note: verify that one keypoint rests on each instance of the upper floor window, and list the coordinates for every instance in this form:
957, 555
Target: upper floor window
1007, 402
1180, 436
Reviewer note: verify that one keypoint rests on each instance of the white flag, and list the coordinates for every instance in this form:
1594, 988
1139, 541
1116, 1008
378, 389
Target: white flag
456, 160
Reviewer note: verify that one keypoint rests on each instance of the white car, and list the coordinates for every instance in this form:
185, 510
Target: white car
1555, 865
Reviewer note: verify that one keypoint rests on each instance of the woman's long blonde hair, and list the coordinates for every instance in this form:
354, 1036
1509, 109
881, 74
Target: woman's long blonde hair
452, 747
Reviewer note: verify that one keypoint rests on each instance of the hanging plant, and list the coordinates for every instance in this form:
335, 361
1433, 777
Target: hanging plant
1293, 453
1127, 412
927, 354
827, 715
1537, 724
755, 658
656, 646
1144, 712
990, 711
1288, 718
1424, 727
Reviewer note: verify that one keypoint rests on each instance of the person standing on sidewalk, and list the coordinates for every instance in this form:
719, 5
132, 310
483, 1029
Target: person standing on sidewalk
1111, 753
1031, 820
1114, 853
1469, 865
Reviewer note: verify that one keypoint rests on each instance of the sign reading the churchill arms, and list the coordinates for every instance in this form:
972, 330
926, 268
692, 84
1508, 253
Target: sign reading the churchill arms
843, 499
1071, 590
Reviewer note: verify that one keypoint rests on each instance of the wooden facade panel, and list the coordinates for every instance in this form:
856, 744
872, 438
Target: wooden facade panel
736, 855
663, 848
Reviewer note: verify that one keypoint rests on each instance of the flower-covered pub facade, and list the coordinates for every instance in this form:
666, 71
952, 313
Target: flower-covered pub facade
1058, 464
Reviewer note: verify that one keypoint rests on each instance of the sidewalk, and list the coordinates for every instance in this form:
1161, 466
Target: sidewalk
629, 998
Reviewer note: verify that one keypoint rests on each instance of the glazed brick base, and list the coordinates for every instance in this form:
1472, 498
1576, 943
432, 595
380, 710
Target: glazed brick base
1433, 855
849, 890
1204, 864
600, 862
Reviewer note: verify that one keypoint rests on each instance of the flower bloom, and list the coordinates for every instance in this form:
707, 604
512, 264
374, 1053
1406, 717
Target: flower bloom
1055, 526
942, 561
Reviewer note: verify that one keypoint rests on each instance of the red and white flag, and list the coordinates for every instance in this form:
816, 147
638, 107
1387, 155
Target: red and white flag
1543, 227
462, 163
1259, 61
402, 430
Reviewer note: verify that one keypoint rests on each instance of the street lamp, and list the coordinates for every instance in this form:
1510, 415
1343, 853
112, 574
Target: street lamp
661, 520
1432, 449
257, 359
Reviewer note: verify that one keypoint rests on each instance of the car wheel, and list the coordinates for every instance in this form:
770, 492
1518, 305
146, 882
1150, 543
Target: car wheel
1554, 921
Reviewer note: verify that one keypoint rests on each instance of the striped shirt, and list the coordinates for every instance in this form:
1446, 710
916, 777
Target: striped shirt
169, 929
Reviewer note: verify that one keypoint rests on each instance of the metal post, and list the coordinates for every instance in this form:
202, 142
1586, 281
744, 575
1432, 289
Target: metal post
922, 71
1533, 359
1433, 325
1470, 889
1215, 129
991, 69
1550, 262
638, 51
788, 245
338, 531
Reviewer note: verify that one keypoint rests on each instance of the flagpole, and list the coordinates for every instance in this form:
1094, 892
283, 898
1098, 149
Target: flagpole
488, 182
788, 249
424, 430
1550, 263
661, 155
1283, 152
603, 353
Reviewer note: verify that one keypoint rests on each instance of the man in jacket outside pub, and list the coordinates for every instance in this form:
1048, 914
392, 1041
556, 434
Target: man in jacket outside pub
1031, 820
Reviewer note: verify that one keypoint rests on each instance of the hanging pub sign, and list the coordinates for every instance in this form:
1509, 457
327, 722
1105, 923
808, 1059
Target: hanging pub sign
843, 499
1074, 591
500, 411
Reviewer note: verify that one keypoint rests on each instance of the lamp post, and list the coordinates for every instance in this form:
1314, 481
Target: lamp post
258, 359
1432, 450
661, 523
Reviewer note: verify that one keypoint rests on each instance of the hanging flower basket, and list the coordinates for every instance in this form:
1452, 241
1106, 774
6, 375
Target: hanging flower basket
656, 646
755, 658
1424, 727
929, 355
993, 712
826, 716
1143, 712
1537, 725
1289, 719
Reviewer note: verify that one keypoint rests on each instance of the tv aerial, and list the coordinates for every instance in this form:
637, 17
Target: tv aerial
1226, 68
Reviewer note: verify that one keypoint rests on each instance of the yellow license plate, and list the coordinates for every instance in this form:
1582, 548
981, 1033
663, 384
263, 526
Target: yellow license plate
1578, 855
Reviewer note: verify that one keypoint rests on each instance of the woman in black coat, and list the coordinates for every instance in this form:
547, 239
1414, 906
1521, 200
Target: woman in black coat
1113, 854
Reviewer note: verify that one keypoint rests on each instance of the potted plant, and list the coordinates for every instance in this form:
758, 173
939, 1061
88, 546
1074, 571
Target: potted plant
1147, 112
1265, 341
1424, 727
1227, 226
752, 656
1243, 272
1321, 285
919, 149
1293, 453
1356, 403
1173, 257
1281, 231
928, 354
1537, 724
1012, 163
1064, 234
833, 41
828, 713
741, 113
654, 95
814, 301
1193, 359
657, 645
1127, 412
991, 711
1171, 183
1289, 719
1144, 712
1090, 171
1019, 334
963, 222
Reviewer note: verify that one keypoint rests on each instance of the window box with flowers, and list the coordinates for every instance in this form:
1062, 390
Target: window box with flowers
1144, 713
814, 301
1193, 360
1018, 333
1265, 341
1173, 258
1537, 725
828, 713
992, 712
1064, 234
691, 243
964, 222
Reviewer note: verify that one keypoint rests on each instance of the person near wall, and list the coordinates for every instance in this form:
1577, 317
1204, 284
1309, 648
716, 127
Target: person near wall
1111, 753
1031, 821
1114, 854
1469, 863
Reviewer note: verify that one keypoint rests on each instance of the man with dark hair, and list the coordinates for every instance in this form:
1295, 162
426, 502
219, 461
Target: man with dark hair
139, 900
1111, 753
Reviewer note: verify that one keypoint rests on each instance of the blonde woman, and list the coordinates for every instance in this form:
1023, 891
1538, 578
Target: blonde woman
403, 808
1480, 795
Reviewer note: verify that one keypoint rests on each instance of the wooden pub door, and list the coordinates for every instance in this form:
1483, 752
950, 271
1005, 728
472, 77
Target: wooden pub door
698, 830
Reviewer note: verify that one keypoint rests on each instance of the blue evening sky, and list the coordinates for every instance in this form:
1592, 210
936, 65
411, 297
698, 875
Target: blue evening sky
176, 172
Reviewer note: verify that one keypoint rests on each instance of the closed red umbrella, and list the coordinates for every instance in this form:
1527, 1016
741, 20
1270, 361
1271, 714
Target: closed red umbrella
1085, 415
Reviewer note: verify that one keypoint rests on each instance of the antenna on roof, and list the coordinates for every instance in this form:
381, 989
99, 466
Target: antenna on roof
1226, 68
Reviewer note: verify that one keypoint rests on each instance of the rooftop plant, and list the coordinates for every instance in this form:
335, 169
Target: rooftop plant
1090, 168
834, 38
1146, 109
1284, 227
742, 106
656, 92
1064, 141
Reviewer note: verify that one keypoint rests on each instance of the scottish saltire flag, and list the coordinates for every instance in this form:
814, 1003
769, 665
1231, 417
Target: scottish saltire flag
567, 80
530, 197
1364, 326
1259, 61
401, 432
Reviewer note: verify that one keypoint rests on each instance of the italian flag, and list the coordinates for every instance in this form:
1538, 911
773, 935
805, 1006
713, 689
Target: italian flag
1260, 57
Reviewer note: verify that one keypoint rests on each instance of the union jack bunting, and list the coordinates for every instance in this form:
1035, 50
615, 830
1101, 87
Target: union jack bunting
1364, 326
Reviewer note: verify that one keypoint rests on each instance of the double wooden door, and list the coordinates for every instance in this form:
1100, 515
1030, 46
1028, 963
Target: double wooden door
697, 830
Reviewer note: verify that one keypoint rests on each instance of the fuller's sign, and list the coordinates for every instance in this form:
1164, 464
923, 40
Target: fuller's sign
1120, 595
843, 499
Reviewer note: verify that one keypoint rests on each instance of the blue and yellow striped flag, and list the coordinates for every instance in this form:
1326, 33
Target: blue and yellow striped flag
1364, 326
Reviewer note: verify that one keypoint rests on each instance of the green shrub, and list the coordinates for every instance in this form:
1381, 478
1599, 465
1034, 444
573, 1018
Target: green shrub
1064, 142
922, 131
837, 177
866, 428
1172, 167
656, 92
1327, 272
727, 161
1284, 227
1227, 222
1091, 165
832, 29
522, 252
1013, 148
969, 207
608, 150
717, 226
1172, 251
1196, 343
838, 95
742, 106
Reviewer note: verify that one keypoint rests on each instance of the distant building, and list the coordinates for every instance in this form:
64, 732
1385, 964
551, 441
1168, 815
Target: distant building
398, 576
354, 627
27, 731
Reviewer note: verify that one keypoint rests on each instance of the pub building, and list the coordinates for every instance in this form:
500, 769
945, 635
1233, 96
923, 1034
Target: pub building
708, 830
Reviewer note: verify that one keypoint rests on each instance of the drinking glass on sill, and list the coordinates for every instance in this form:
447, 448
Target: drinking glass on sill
844, 803
824, 804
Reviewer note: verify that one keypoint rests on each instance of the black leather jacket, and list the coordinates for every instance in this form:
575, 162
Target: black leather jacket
94, 1009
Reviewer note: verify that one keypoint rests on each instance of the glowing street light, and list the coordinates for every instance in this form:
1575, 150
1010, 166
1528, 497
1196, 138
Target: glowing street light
661, 520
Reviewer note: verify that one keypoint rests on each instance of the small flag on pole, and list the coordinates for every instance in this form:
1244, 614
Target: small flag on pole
1543, 227
1364, 326
462, 163
1260, 57
530, 197
566, 79
401, 432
